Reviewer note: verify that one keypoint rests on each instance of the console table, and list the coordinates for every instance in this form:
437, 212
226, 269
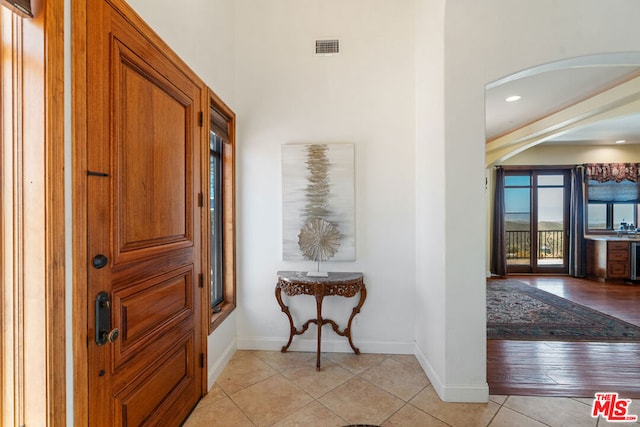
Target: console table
342, 284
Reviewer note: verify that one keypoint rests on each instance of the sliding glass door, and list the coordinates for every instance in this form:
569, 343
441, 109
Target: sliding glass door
536, 220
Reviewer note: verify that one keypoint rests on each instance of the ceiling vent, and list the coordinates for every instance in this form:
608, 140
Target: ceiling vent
327, 47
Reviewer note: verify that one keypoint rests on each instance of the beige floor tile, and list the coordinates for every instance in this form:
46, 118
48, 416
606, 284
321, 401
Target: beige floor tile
553, 411
214, 394
270, 400
242, 372
356, 363
508, 418
318, 383
360, 402
408, 359
602, 422
409, 415
585, 400
635, 409
400, 378
223, 413
312, 415
291, 359
455, 414
241, 353
499, 399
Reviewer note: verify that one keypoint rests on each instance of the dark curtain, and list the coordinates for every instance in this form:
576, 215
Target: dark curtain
498, 246
577, 245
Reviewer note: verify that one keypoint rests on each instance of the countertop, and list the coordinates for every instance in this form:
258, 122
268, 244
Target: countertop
612, 238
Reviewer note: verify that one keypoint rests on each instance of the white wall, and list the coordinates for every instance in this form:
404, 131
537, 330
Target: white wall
430, 190
202, 33
365, 96
483, 42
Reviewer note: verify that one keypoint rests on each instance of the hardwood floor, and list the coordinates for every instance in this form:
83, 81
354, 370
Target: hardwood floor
571, 369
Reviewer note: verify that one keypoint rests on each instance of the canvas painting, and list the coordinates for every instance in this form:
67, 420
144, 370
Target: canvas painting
318, 203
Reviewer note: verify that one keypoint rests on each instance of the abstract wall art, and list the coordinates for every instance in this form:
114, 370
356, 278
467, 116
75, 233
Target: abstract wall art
318, 202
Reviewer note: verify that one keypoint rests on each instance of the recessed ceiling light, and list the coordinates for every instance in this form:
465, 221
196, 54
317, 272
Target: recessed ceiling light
621, 141
513, 98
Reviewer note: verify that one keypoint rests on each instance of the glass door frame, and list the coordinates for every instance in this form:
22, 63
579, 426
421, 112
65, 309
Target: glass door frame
534, 266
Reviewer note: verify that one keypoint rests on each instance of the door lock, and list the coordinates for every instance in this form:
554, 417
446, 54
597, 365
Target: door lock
104, 333
109, 336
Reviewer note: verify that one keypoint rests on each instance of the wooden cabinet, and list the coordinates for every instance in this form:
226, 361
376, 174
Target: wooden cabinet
608, 259
618, 260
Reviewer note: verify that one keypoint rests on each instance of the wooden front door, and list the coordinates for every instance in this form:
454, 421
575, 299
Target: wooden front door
144, 336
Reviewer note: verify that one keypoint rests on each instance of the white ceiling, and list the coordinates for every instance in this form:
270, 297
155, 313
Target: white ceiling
550, 90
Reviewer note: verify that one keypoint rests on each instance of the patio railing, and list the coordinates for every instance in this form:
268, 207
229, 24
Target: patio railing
550, 244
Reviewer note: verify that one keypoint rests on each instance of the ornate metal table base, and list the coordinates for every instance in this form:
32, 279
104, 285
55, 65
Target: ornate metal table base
341, 284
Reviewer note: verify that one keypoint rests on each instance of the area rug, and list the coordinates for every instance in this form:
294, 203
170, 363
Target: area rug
517, 311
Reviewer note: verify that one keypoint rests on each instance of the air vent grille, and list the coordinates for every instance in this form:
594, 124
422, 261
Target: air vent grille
327, 47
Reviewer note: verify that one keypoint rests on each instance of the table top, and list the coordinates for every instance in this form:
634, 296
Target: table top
332, 277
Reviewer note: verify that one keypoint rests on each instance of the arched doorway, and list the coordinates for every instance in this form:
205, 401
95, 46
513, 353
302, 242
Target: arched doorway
569, 112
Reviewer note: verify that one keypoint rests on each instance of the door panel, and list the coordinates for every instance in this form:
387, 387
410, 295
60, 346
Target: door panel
153, 197
171, 297
150, 400
144, 135
551, 227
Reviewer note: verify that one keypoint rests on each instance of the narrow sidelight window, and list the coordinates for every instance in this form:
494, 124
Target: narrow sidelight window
218, 179
215, 218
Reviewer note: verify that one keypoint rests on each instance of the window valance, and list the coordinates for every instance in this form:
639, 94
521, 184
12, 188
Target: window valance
612, 182
618, 172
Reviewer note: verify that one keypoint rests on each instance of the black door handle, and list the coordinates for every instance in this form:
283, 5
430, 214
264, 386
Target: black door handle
104, 333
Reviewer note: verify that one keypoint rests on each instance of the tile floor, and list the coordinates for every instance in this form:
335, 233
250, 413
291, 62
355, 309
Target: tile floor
264, 388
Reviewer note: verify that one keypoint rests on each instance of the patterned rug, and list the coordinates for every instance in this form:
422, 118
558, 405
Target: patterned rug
517, 311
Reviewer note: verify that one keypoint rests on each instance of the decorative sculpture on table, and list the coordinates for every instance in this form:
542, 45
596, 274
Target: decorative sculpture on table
318, 240
318, 199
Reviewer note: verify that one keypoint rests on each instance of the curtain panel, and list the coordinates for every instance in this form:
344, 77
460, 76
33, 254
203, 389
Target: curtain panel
577, 243
498, 265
